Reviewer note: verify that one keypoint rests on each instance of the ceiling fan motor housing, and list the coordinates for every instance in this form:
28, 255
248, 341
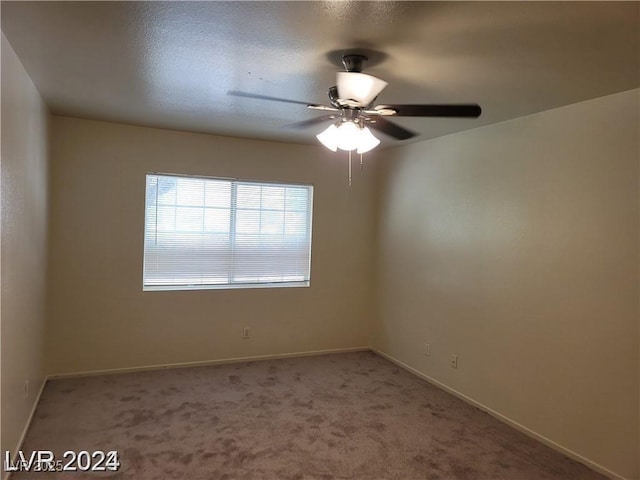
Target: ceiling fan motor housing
333, 97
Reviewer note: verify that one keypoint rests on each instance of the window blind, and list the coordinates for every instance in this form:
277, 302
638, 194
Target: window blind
210, 232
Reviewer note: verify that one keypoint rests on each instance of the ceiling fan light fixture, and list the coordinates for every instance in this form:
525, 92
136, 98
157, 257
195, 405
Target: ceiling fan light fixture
359, 86
348, 136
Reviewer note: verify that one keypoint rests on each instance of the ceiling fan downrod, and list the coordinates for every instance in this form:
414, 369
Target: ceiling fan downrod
353, 62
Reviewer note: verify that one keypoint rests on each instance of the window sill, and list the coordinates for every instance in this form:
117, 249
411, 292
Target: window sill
169, 288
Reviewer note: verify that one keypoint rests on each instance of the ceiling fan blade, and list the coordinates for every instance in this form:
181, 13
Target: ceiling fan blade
325, 108
309, 123
393, 130
237, 93
461, 110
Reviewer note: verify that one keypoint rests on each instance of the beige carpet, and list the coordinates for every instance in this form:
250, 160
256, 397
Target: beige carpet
347, 416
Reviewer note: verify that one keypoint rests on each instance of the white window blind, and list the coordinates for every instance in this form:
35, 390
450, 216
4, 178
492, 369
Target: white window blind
209, 232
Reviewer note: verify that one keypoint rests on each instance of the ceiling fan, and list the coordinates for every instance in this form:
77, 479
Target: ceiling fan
351, 105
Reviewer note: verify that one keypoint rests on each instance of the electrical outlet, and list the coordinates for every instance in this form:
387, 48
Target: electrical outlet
454, 360
26, 389
427, 349
245, 332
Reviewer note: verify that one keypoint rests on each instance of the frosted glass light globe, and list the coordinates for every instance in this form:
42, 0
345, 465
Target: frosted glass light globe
329, 138
367, 141
348, 136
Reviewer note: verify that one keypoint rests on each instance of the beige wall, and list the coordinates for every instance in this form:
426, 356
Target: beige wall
101, 319
515, 246
24, 227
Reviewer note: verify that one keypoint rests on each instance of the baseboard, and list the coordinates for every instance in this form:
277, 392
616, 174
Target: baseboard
205, 363
7, 475
512, 423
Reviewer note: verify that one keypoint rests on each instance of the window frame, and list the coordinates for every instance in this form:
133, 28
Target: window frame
234, 181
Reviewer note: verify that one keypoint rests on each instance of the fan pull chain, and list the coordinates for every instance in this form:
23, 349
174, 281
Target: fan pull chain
349, 167
361, 163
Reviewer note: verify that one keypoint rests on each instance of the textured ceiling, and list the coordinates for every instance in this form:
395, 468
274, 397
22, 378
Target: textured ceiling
170, 64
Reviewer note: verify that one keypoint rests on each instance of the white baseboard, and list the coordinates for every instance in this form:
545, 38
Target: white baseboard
205, 363
7, 475
512, 423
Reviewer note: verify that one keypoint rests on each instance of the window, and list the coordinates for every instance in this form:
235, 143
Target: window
220, 233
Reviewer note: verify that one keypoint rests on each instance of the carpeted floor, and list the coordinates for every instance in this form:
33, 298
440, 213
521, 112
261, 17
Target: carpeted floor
346, 416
